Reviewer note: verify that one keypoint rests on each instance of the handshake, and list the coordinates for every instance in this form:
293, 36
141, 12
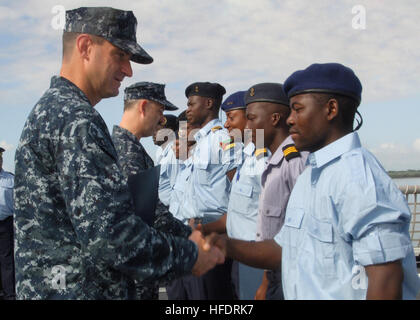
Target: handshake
211, 251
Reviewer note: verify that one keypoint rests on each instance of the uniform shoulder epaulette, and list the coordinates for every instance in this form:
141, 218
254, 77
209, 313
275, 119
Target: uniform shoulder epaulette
260, 153
227, 144
216, 128
290, 152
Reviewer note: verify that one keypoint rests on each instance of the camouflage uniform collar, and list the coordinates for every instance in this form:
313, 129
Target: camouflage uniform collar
59, 82
124, 132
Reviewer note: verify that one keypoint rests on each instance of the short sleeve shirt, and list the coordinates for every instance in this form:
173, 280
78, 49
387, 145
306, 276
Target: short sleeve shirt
344, 213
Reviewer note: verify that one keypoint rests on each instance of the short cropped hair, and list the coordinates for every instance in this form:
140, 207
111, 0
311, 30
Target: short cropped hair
347, 106
69, 40
128, 104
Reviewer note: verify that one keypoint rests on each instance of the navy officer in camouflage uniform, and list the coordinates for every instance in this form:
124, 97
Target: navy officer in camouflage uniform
77, 235
144, 103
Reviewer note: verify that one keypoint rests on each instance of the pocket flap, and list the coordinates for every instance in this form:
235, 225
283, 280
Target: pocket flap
242, 189
294, 217
321, 230
7, 183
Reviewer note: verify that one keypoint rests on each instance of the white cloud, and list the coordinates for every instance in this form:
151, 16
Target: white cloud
237, 43
6, 146
416, 145
398, 157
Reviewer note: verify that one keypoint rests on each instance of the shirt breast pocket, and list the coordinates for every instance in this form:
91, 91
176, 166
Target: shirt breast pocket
201, 168
242, 197
6, 183
291, 233
272, 211
321, 244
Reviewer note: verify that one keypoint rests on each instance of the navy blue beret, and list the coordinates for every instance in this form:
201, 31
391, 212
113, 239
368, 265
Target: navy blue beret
324, 78
266, 92
205, 89
234, 101
149, 91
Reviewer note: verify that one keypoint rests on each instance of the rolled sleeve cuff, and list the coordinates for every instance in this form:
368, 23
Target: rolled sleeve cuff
381, 246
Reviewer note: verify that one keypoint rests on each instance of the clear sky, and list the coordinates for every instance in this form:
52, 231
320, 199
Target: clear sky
237, 43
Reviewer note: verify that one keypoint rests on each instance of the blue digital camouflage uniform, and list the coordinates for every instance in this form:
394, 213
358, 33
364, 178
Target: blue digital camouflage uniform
73, 209
133, 158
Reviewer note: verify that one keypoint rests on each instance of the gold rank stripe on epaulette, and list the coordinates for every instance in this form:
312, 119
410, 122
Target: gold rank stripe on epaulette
226, 145
290, 152
229, 146
259, 153
216, 128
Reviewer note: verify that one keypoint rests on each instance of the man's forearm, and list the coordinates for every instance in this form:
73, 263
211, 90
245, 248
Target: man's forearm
261, 254
385, 281
218, 226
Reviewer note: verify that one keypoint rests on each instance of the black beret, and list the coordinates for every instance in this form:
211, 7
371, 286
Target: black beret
2, 150
205, 89
266, 92
171, 122
324, 78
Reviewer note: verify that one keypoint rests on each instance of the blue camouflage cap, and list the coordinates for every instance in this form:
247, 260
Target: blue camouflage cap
149, 91
234, 101
266, 92
324, 78
116, 26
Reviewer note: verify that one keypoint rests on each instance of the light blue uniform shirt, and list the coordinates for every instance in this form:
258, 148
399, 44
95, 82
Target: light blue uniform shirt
169, 167
209, 187
344, 213
6, 194
242, 211
180, 205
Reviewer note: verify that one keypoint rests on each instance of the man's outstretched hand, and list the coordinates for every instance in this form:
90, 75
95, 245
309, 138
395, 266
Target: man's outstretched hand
208, 256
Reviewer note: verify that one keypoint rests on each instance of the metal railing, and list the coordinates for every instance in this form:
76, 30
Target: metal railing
412, 193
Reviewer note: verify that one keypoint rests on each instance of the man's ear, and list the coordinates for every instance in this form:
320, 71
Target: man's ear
275, 119
332, 109
209, 103
84, 45
141, 107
